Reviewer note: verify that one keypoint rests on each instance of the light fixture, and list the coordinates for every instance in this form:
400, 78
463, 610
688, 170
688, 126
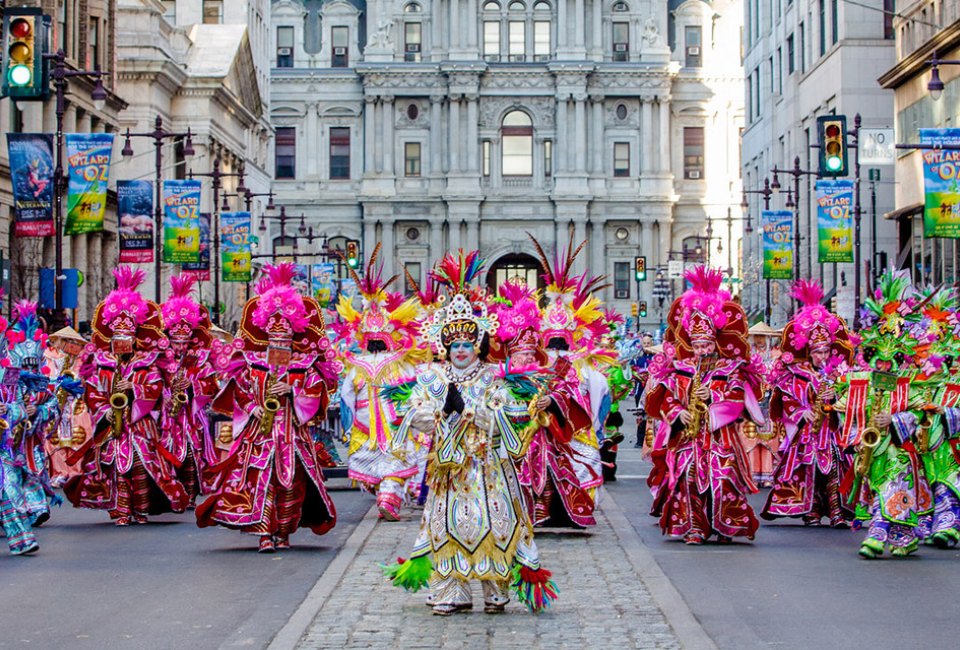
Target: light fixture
302, 229
263, 224
744, 204
775, 185
127, 150
99, 94
270, 206
790, 203
935, 86
188, 145
226, 206
622, 233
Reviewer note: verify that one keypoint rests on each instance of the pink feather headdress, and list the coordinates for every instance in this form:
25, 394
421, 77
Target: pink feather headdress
181, 311
518, 315
124, 308
280, 308
813, 324
703, 303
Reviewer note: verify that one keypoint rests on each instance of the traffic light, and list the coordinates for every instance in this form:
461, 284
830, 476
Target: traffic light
24, 44
643, 309
640, 264
832, 135
353, 254
633, 309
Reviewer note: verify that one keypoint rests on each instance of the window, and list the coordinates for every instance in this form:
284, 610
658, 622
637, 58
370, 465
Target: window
284, 47
517, 42
179, 160
93, 44
791, 65
61, 35
411, 159
773, 77
693, 152
412, 41
413, 112
548, 158
621, 159
517, 142
491, 40
802, 53
517, 7
541, 40
834, 21
541, 7
621, 280
620, 7
889, 9
779, 71
692, 38
212, 12
486, 157
339, 153
286, 154
491, 6
758, 74
621, 41
340, 41
412, 8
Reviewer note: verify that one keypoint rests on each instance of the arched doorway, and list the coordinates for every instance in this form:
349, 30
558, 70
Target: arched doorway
515, 266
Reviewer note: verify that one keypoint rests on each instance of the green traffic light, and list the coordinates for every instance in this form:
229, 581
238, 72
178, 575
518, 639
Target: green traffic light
834, 163
19, 75
352, 262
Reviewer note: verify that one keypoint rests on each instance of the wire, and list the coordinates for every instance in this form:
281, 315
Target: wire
895, 14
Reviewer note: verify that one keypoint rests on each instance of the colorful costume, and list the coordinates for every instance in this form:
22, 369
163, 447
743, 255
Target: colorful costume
387, 352
702, 387
275, 382
813, 460
126, 467
189, 383
73, 428
474, 525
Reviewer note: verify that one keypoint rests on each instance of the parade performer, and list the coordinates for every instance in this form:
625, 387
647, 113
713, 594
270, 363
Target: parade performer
126, 468
762, 440
887, 484
474, 525
72, 429
382, 351
275, 382
552, 489
701, 388
190, 382
813, 461
614, 339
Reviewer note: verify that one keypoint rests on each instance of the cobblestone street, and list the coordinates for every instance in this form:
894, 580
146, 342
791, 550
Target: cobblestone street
602, 600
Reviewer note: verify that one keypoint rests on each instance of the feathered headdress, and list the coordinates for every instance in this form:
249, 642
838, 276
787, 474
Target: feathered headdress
182, 316
280, 311
705, 312
464, 315
886, 315
124, 313
384, 316
933, 331
26, 336
814, 327
518, 315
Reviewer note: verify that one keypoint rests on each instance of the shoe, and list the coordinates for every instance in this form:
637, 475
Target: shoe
139, 519
946, 539
41, 519
839, 522
266, 545
723, 539
904, 551
122, 521
693, 539
32, 547
495, 604
811, 520
447, 609
281, 542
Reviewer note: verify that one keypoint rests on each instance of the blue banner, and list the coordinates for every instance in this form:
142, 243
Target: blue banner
88, 170
835, 220
941, 214
201, 269
235, 258
323, 284
135, 210
181, 221
31, 172
777, 228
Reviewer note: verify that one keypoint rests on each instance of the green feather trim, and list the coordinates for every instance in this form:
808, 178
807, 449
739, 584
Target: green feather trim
412, 575
398, 393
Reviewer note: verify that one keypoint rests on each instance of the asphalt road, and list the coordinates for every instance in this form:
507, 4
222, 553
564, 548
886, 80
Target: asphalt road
166, 585
797, 587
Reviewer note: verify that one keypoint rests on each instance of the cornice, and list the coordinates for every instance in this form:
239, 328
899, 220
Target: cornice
914, 63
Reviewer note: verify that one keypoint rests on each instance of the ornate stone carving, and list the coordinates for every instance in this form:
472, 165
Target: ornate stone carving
541, 108
651, 33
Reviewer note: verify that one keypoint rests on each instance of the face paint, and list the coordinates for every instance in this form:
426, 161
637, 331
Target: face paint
462, 354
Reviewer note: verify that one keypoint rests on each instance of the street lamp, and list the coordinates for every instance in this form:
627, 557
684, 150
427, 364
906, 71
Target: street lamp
158, 135
99, 96
935, 85
215, 177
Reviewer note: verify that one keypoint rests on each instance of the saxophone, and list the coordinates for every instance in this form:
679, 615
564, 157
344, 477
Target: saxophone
271, 406
118, 403
869, 438
696, 406
62, 395
180, 398
819, 408
923, 426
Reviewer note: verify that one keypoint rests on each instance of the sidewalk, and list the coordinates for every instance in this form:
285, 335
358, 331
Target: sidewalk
606, 579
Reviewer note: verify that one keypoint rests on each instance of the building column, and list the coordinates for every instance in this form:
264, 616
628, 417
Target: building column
389, 117
454, 34
389, 254
369, 134
563, 144
436, 240
580, 125
471, 26
665, 166
579, 235
312, 135
473, 234
580, 24
562, 24
598, 144
646, 136
436, 36
597, 25
94, 271
378, 135
598, 260
666, 241
473, 156
436, 133
454, 134
369, 233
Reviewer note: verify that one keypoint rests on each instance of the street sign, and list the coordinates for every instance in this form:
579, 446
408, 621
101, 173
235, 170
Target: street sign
874, 174
877, 147
675, 269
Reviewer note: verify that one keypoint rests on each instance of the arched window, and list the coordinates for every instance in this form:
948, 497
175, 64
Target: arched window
517, 7
541, 6
517, 138
491, 6
412, 8
620, 7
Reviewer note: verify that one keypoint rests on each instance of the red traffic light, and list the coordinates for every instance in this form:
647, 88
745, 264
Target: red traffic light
832, 131
21, 28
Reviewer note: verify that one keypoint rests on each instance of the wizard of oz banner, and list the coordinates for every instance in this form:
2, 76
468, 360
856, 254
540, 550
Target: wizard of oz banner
835, 220
941, 214
777, 244
31, 171
181, 221
88, 168
235, 246
201, 269
323, 283
135, 207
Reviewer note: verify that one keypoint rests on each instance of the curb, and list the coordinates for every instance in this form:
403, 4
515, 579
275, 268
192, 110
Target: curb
290, 634
675, 610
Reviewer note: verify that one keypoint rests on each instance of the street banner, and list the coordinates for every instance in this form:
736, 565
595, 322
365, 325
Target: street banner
322, 284
777, 244
941, 214
349, 288
835, 220
201, 270
301, 279
88, 170
235, 259
31, 172
135, 230
181, 221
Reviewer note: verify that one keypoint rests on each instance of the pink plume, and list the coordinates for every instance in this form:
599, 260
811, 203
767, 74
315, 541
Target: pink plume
128, 278
704, 296
808, 292
24, 309
182, 285
282, 273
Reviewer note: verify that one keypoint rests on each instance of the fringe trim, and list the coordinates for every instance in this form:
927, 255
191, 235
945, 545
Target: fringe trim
534, 588
411, 575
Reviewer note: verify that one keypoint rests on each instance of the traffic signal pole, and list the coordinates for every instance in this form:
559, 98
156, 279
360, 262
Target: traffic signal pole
857, 222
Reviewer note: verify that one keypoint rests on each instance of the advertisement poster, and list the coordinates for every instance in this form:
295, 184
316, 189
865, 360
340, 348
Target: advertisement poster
201, 269
135, 230
777, 244
88, 171
31, 171
301, 279
323, 284
835, 220
349, 288
235, 260
941, 214
181, 221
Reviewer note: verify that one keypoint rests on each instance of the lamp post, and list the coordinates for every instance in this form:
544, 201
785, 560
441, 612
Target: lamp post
796, 172
99, 95
215, 177
935, 85
159, 134
766, 193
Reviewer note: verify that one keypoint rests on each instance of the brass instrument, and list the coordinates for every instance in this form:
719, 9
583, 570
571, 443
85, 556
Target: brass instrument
180, 397
540, 416
119, 401
696, 406
63, 395
271, 405
869, 438
820, 409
